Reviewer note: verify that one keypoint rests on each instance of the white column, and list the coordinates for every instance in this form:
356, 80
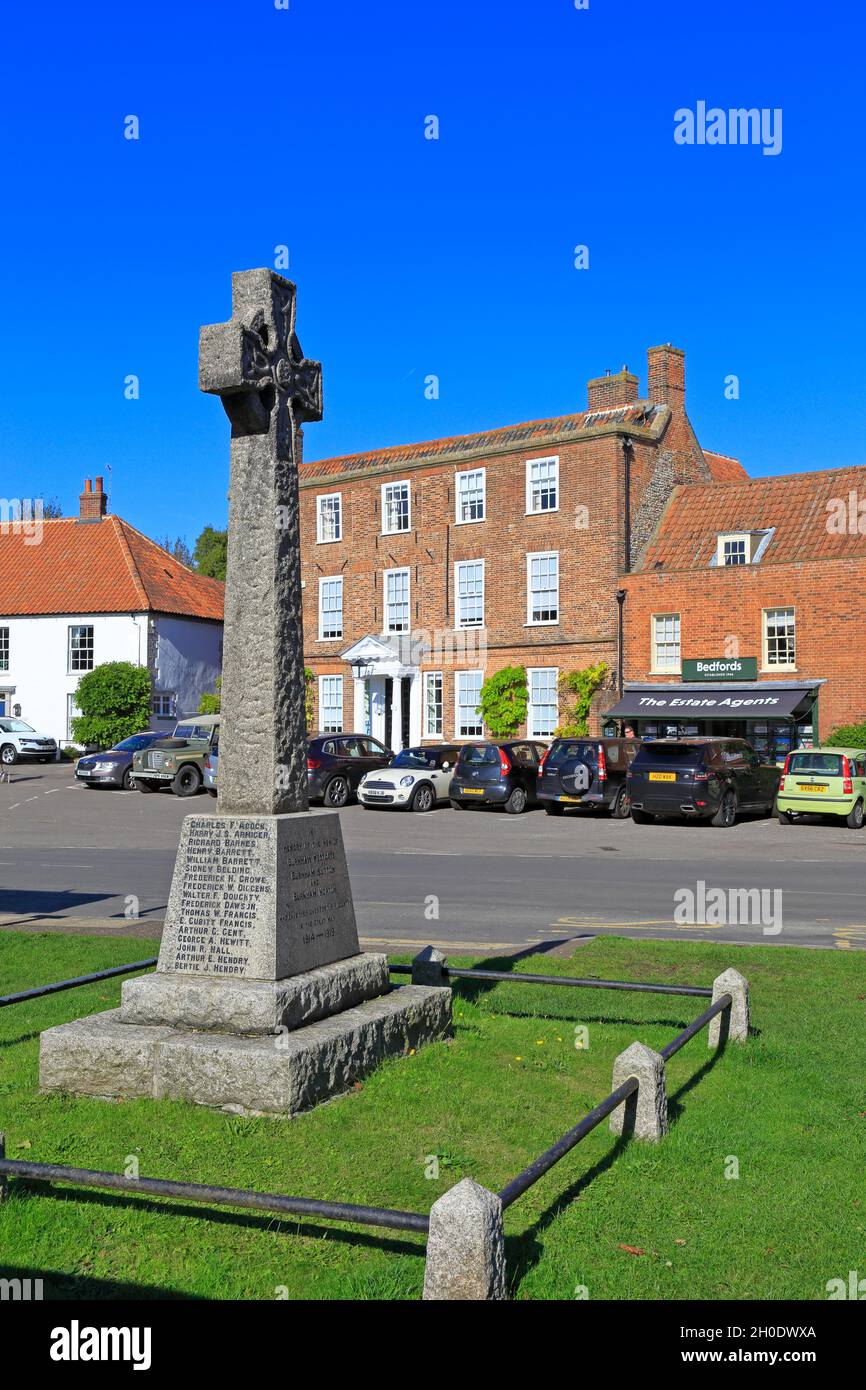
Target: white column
397, 713
358, 710
416, 713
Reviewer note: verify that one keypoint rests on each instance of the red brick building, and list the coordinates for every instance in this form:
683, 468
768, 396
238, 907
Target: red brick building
755, 588
429, 566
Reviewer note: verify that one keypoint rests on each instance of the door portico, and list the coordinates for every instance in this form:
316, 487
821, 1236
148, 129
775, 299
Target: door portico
386, 691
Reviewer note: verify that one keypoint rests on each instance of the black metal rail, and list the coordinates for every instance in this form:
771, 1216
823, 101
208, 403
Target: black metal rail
724, 1001
217, 1196
591, 983
60, 985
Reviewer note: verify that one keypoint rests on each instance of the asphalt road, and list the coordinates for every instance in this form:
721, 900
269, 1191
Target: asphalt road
71, 858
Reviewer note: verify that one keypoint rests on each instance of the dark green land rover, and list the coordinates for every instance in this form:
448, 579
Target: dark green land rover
177, 762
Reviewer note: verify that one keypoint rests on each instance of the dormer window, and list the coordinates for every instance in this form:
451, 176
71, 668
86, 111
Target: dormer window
741, 547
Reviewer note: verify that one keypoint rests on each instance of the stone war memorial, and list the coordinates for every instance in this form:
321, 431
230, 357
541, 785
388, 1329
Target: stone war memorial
262, 1001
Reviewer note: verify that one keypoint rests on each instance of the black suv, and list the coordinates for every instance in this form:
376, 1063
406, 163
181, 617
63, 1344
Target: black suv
586, 772
700, 779
497, 774
337, 762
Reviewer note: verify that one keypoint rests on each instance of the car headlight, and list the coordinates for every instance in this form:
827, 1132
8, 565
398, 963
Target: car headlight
101, 767
406, 781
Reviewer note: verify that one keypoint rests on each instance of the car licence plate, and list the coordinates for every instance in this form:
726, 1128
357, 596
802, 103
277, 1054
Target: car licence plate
571, 798
374, 794
472, 791
663, 776
811, 787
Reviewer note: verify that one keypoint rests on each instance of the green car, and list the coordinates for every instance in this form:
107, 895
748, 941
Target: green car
826, 781
177, 762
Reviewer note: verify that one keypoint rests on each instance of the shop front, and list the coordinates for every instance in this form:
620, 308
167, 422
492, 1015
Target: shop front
773, 716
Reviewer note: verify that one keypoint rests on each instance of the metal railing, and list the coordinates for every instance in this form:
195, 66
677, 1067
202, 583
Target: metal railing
61, 985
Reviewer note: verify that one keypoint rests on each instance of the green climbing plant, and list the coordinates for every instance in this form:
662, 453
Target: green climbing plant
309, 697
577, 689
503, 701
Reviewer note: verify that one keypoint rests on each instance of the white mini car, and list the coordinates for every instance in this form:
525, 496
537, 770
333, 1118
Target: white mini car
415, 780
19, 740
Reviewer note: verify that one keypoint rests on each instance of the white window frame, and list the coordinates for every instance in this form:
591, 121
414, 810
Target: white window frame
330, 636
767, 665
541, 511
337, 683
386, 627
322, 539
72, 712
477, 728
80, 627
437, 704
541, 555
532, 727
458, 499
668, 668
164, 704
459, 622
5, 643
396, 530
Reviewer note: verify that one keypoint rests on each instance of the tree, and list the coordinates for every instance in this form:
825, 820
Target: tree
51, 509
210, 704
179, 549
115, 701
503, 701
209, 556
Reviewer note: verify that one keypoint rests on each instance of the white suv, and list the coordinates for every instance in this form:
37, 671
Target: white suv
18, 740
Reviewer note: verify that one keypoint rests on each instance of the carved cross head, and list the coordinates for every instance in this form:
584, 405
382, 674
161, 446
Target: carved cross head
255, 365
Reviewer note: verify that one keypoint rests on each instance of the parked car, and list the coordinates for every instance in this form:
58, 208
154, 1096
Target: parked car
113, 768
587, 772
709, 779
497, 774
209, 768
416, 780
177, 762
337, 762
19, 740
829, 781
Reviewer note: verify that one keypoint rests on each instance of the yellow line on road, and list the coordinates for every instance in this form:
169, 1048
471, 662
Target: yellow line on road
449, 945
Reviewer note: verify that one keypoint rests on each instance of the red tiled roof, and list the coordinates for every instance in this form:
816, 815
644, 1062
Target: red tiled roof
98, 567
724, 468
531, 434
795, 506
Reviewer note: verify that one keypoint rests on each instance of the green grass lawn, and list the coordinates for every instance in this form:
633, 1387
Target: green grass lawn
790, 1107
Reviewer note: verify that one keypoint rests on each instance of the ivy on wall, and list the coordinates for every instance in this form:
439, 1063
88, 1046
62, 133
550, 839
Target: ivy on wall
577, 689
504, 700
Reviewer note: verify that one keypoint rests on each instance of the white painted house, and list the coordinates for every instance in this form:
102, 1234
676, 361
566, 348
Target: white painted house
77, 592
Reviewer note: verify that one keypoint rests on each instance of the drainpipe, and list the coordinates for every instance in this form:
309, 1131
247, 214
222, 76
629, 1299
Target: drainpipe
626, 459
620, 598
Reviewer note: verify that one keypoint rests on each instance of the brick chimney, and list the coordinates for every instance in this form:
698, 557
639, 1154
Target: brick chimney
667, 376
610, 390
92, 505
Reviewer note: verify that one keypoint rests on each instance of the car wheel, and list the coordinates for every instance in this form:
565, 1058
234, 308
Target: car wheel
621, 806
144, 786
726, 815
128, 782
641, 817
516, 802
785, 818
553, 808
854, 819
422, 799
336, 792
8, 755
187, 781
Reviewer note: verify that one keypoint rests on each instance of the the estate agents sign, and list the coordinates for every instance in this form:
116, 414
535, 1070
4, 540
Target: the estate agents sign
721, 668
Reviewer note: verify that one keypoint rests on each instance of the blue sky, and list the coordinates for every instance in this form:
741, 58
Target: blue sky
305, 127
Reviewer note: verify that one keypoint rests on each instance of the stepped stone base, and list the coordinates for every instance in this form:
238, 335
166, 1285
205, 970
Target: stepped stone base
104, 1056
250, 1007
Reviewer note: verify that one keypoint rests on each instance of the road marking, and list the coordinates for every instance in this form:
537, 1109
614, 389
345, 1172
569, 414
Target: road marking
51, 792
452, 945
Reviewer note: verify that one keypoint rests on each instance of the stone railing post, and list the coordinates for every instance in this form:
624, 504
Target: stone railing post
465, 1246
644, 1114
731, 1025
430, 967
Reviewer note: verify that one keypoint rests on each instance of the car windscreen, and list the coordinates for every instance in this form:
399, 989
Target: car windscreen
415, 757
134, 743
830, 764
572, 751
477, 754
16, 726
675, 754
191, 731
